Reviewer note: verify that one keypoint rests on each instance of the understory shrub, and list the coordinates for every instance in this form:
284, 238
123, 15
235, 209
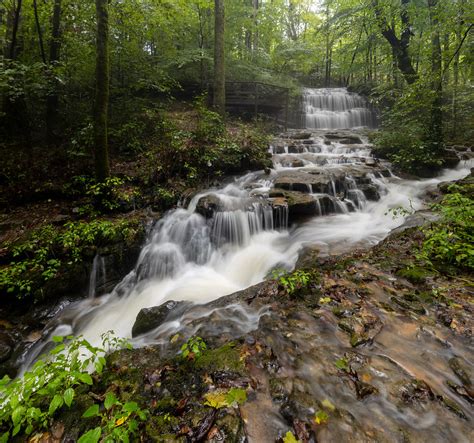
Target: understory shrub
29, 403
451, 240
50, 249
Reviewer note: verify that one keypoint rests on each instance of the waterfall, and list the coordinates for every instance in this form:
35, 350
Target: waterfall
335, 108
230, 238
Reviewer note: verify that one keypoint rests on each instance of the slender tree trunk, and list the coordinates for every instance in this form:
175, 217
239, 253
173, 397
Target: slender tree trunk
219, 57
39, 31
102, 91
52, 101
16, 23
436, 121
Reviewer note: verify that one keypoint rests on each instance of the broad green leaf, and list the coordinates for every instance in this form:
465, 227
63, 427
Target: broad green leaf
91, 436
68, 396
93, 411
85, 378
110, 400
130, 406
56, 403
17, 415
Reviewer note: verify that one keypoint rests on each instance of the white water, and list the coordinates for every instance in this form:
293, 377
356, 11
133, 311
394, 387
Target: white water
335, 108
189, 258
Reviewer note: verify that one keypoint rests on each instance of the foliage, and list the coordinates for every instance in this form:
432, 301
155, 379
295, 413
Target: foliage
119, 421
293, 282
193, 348
451, 240
290, 438
223, 399
40, 258
30, 402
205, 151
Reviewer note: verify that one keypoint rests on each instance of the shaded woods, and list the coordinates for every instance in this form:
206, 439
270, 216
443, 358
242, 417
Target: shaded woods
148, 185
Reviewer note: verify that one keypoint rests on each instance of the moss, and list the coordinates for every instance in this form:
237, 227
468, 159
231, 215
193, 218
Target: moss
225, 358
414, 274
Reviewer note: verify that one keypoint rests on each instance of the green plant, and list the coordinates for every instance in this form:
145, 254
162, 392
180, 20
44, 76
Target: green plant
451, 240
108, 196
40, 258
222, 398
210, 125
118, 420
293, 282
193, 348
29, 403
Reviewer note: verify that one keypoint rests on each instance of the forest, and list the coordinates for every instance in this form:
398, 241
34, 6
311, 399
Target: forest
236, 220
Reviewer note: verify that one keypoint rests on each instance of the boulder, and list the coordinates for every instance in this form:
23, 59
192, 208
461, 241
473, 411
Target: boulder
295, 149
208, 205
301, 135
300, 205
371, 192
297, 163
150, 318
351, 141
6, 347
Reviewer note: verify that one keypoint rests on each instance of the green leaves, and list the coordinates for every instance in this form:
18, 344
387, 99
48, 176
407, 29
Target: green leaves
56, 403
222, 399
68, 396
84, 377
110, 400
342, 364
91, 436
193, 348
35, 398
92, 411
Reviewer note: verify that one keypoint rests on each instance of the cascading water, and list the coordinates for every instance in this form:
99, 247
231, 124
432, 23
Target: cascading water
231, 238
335, 109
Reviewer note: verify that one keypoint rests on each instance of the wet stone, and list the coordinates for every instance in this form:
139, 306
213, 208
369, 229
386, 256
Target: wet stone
150, 318
6, 347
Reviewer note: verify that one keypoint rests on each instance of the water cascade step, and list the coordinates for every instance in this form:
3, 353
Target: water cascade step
335, 108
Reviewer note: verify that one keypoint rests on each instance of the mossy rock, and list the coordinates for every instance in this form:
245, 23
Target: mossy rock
415, 274
225, 358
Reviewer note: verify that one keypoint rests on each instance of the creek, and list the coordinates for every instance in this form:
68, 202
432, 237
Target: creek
225, 240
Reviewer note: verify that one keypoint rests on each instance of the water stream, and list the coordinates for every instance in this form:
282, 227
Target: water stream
196, 258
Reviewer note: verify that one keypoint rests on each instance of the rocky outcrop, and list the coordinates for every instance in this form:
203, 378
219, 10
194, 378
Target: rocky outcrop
150, 318
208, 205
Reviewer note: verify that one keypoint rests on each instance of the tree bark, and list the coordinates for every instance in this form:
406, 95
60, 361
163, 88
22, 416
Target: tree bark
102, 92
436, 121
39, 31
400, 46
16, 23
52, 101
219, 57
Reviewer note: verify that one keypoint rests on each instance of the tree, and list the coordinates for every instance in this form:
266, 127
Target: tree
219, 57
102, 91
52, 101
400, 46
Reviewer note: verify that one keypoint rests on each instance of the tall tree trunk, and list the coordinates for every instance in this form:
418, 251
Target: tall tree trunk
219, 57
15, 110
102, 91
16, 23
400, 46
52, 101
39, 31
436, 121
